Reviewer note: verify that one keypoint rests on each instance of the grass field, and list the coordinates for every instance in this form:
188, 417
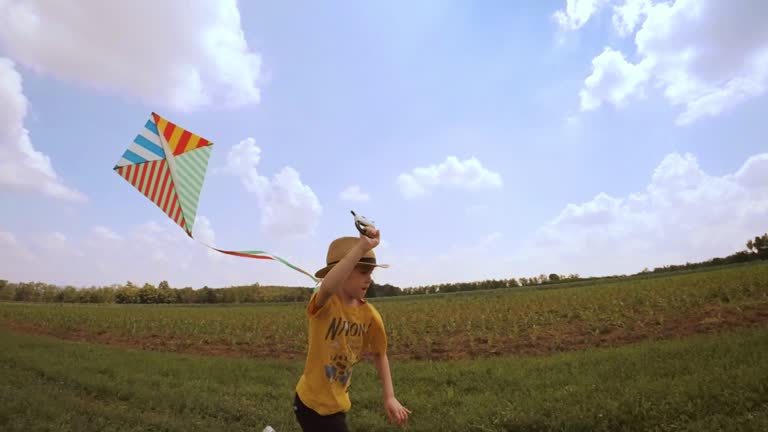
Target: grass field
703, 383
679, 352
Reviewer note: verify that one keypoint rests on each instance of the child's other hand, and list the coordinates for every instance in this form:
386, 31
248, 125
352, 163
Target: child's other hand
397, 413
371, 242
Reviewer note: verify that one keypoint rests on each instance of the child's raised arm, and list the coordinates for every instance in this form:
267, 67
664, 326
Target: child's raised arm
338, 274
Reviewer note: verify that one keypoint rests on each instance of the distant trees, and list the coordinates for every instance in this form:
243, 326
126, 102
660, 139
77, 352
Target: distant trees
7, 291
385, 290
164, 294
129, 293
759, 245
757, 249
491, 284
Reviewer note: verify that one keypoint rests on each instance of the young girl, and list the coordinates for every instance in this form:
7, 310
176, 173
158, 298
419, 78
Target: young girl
342, 327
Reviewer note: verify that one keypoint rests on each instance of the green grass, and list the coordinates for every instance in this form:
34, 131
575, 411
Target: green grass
712, 383
471, 324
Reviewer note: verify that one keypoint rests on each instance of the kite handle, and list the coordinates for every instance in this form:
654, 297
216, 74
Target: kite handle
361, 223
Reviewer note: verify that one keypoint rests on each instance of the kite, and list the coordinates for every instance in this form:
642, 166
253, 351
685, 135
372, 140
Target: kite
167, 164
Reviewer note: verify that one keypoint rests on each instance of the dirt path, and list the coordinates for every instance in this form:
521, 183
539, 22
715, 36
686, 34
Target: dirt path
571, 336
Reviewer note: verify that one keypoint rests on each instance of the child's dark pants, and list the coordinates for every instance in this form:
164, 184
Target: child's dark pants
311, 421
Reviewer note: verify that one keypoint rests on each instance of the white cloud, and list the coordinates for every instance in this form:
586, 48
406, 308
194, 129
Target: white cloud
602, 210
754, 173
452, 173
628, 15
684, 214
710, 71
354, 194
705, 72
173, 53
613, 80
577, 13
242, 160
289, 208
204, 233
21, 166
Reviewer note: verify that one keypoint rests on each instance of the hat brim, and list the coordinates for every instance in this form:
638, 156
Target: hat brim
324, 271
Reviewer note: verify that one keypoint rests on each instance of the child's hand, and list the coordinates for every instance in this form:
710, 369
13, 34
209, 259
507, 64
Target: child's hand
397, 413
368, 243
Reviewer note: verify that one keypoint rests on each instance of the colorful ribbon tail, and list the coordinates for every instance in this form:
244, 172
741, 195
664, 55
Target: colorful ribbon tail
267, 256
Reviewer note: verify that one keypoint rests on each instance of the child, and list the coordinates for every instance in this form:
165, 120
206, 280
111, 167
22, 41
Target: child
343, 326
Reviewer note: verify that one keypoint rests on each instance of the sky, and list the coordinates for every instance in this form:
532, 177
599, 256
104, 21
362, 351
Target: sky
485, 140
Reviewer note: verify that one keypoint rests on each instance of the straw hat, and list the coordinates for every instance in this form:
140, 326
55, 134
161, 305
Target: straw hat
339, 248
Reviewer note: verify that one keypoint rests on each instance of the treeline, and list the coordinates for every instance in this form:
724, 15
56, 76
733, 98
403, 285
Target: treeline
489, 284
163, 293
757, 249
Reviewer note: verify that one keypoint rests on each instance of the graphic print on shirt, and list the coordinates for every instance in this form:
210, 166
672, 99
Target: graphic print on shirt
338, 369
343, 355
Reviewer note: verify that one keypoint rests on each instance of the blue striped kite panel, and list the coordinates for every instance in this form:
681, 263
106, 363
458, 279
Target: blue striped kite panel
145, 147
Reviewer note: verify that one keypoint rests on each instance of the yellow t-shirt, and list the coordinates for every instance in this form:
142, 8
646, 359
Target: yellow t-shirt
338, 336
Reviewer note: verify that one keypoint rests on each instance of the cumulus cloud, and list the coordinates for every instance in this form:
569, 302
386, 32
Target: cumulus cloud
628, 15
174, 53
354, 194
289, 208
577, 13
21, 166
613, 80
205, 234
754, 173
683, 214
704, 72
452, 173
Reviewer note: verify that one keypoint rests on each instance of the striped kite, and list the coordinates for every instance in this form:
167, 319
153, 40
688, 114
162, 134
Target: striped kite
167, 164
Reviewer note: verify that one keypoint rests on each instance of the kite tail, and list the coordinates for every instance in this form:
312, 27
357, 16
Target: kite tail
266, 256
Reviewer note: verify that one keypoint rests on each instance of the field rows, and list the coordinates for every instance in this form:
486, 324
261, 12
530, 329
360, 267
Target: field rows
437, 327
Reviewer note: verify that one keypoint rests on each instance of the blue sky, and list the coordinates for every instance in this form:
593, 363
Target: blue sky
585, 137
